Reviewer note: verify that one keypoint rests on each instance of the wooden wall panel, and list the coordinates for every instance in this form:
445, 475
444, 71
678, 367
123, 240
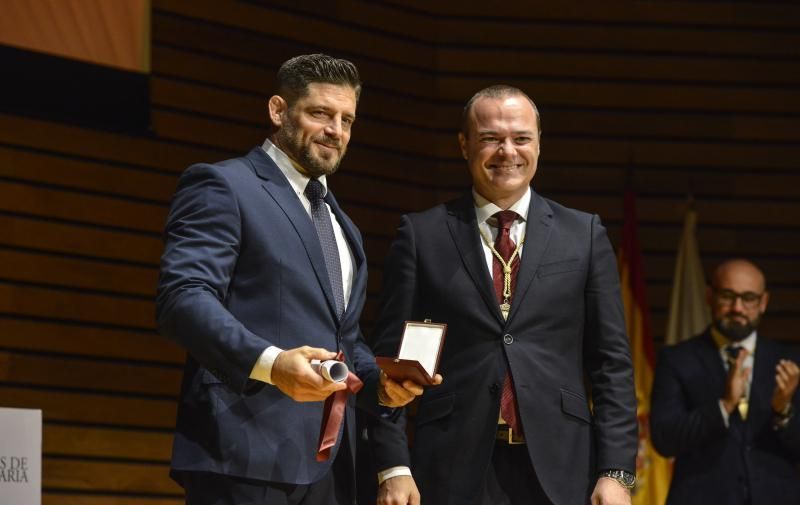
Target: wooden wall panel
86, 339
678, 97
671, 13
83, 408
56, 498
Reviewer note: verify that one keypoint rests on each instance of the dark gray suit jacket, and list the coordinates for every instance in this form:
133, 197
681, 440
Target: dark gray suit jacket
566, 329
715, 464
242, 270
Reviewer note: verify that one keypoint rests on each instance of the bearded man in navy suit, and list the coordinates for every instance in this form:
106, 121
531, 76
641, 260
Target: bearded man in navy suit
724, 403
261, 274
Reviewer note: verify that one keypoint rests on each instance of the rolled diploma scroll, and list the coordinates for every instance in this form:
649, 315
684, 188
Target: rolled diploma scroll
331, 370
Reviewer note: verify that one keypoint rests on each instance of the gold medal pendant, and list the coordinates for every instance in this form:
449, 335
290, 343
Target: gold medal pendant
743, 408
505, 307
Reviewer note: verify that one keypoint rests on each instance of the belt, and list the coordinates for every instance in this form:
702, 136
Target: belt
506, 435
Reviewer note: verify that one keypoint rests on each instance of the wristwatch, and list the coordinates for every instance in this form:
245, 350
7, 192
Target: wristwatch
780, 420
625, 479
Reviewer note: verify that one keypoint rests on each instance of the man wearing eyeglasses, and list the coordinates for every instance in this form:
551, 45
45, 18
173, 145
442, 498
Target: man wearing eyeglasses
724, 403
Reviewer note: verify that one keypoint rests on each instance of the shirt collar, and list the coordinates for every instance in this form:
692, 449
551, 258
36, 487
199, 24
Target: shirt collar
722, 341
288, 167
484, 209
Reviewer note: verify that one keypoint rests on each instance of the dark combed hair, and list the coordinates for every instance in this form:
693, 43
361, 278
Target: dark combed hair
297, 73
497, 91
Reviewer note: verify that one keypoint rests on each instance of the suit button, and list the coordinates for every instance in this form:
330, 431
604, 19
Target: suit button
494, 388
508, 339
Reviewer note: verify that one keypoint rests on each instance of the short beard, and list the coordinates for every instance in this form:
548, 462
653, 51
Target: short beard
291, 143
734, 331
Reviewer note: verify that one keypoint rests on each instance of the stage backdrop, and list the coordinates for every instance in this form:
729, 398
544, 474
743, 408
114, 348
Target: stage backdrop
692, 96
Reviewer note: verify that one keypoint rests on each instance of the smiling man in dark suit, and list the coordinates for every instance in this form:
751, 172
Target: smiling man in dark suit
724, 403
263, 272
530, 292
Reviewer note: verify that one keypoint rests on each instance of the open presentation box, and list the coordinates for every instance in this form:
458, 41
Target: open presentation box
418, 357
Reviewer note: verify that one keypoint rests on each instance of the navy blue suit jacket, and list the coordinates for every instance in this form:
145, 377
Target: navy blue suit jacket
243, 270
566, 325
715, 464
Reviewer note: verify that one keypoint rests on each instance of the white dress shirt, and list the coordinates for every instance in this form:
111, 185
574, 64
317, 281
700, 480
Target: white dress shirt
484, 210
263, 368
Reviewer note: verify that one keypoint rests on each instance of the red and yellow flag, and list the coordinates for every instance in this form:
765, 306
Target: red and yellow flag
653, 472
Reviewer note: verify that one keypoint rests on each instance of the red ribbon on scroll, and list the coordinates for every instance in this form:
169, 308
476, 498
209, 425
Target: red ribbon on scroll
333, 414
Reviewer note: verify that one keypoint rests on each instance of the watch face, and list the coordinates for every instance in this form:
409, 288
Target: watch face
628, 478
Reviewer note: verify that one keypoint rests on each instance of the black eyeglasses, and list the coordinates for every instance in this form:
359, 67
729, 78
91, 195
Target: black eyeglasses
726, 297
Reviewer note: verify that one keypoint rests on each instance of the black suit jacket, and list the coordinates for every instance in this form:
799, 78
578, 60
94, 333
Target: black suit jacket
566, 325
243, 269
715, 464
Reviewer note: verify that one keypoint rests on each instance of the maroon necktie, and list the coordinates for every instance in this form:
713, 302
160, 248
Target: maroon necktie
505, 246
333, 414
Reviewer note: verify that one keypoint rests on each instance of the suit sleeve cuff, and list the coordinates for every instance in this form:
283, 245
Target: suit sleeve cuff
262, 371
725, 415
395, 471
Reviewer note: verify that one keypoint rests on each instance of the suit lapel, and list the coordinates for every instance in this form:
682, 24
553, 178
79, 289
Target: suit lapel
537, 236
763, 381
354, 241
277, 187
462, 223
710, 360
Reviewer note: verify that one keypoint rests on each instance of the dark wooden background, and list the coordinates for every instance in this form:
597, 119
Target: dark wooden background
691, 96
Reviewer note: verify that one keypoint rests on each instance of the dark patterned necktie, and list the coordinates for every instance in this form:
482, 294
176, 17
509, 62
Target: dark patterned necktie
732, 351
731, 355
505, 247
322, 222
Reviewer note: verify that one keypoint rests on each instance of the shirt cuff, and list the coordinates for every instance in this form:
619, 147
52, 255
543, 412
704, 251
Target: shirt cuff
395, 471
262, 371
725, 415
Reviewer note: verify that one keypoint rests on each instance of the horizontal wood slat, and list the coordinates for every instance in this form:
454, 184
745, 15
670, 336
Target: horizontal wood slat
780, 271
89, 375
104, 178
65, 305
75, 239
588, 64
77, 441
76, 339
108, 147
186, 48
303, 30
52, 498
108, 476
636, 95
731, 15
95, 409
77, 273
684, 39
100, 210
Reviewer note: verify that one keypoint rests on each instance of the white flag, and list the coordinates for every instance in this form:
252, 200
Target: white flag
688, 310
